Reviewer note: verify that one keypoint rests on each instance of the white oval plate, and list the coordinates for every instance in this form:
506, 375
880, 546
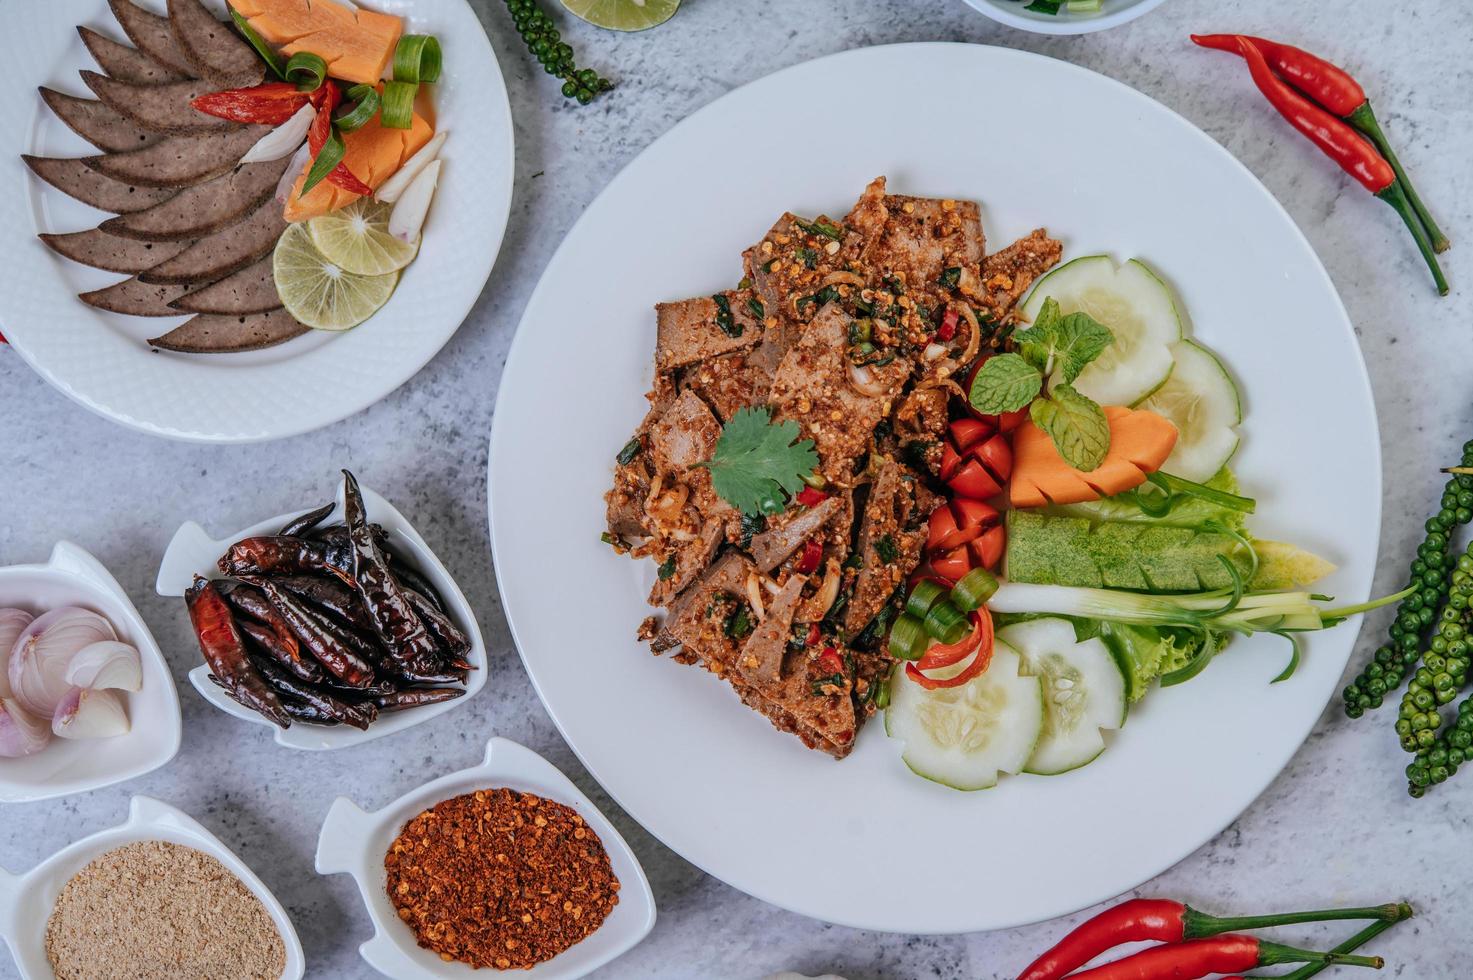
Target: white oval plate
354, 842
1112, 13
193, 552
100, 359
72, 577
863, 842
26, 900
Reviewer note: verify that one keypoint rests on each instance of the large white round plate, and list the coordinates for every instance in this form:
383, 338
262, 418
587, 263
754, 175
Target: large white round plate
863, 842
100, 359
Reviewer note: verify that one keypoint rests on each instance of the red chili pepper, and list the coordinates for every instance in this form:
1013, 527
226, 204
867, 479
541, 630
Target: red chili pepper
813, 635
318, 133
1332, 87
1163, 921
982, 634
270, 104
812, 555
1337, 140
1223, 954
811, 496
830, 662
947, 330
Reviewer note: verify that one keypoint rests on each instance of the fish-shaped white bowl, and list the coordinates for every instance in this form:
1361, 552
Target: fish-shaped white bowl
354, 842
72, 577
193, 552
26, 900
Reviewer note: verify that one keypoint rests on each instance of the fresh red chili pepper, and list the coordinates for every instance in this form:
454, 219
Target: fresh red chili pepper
1222, 954
1337, 140
1332, 87
811, 496
947, 330
1163, 921
321, 128
830, 662
982, 620
270, 104
812, 555
813, 635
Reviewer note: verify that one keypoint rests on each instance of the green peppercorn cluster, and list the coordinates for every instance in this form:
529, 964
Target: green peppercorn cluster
554, 54
1450, 749
1444, 668
1394, 660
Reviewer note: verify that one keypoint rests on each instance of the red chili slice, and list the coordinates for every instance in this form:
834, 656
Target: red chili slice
940, 655
811, 496
830, 662
813, 635
318, 132
270, 104
980, 661
812, 555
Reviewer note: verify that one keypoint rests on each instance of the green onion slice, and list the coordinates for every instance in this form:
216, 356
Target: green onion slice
306, 70
268, 55
974, 589
908, 639
417, 58
923, 597
946, 623
327, 160
397, 105
368, 102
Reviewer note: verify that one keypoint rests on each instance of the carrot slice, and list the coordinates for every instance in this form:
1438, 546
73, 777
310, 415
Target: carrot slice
1140, 441
373, 153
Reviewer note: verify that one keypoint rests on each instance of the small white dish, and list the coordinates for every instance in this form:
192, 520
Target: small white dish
26, 900
72, 577
354, 842
1113, 13
193, 552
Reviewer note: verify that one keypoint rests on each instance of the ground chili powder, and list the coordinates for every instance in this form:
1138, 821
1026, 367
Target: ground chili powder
500, 879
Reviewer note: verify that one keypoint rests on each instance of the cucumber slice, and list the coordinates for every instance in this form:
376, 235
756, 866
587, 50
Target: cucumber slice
1202, 401
1083, 692
1135, 304
963, 737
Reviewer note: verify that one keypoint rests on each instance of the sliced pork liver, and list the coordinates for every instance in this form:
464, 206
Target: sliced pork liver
124, 63
232, 247
227, 334
136, 298
97, 123
214, 50
179, 161
204, 208
152, 35
251, 290
687, 331
75, 178
100, 250
160, 108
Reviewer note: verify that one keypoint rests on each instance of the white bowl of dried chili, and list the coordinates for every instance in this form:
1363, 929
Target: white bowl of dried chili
193, 552
27, 901
356, 842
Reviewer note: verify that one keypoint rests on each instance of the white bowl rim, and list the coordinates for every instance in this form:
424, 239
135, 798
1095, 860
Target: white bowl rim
170, 824
85, 572
1002, 12
178, 567
349, 843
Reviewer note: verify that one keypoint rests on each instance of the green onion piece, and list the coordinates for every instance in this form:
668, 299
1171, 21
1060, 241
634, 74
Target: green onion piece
908, 639
367, 98
328, 158
1045, 6
946, 623
1083, 6
923, 597
306, 70
397, 105
417, 58
1228, 501
268, 55
974, 589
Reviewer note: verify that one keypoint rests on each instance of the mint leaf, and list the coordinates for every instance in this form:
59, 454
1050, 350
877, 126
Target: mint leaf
757, 460
1078, 339
1005, 384
1076, 425
1037, 342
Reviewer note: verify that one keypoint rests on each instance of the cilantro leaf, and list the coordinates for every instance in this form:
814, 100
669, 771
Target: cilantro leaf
1076, 425
1063, 346
1005, 383
758, 460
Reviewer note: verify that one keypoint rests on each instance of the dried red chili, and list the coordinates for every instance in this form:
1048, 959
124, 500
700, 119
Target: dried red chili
500, 879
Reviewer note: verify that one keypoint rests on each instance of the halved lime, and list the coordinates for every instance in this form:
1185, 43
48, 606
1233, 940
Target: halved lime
356, 239
624, 15
319, 293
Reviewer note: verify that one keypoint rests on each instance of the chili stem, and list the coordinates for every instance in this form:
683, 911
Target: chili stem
1393, 195
1272, 954
1350, 945
1365, 120
1198, 924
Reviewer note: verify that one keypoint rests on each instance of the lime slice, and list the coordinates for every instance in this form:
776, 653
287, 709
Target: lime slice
624, 15
356, 239
320, 294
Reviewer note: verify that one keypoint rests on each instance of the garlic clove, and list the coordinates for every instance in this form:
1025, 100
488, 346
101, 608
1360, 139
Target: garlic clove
284, 139
408, 216
12, 623
21, 733
106, 665
44, 649
293, 170
90, 714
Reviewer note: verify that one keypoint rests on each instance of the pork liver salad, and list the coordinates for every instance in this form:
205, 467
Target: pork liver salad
844, 452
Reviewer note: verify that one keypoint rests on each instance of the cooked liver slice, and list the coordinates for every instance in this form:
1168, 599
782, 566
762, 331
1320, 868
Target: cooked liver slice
213, 49
251, 290
918, 237
686, 331
685, 435
98, 124
1006, 275
75, 178
204, 208
728, 383
153, 36
221, 253
761, 659
226, 334
772, 546
690, 560
897, 509
100, 250
159, 108
136, 298
181, 161
124, 63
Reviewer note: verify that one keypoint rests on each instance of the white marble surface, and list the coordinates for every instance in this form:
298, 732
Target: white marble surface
1336, 827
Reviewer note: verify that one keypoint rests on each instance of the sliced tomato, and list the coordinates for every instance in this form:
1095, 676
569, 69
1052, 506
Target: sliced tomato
988, 548
950, 461
973, 480
942, 529
1009, 421
980, 660
952, 565
974, 513
968, 432
1006, 422
830, 662
947, 330
811, 496
997, 455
